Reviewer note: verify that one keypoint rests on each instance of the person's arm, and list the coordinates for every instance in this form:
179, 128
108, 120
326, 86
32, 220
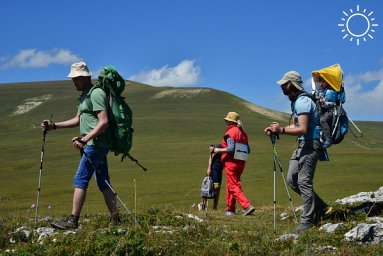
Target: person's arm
208, 172
303, 120
230, 145
229, 148
103, 123
49, 125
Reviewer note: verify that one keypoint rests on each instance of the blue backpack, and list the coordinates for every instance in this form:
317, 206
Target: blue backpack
339, 126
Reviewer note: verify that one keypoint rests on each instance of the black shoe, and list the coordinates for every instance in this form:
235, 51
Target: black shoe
302, 227
70, 223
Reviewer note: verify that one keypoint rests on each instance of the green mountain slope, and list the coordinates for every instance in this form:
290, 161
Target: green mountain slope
173, 130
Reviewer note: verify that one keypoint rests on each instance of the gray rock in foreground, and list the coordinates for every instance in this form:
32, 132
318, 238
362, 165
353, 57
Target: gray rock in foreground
365, 233
363, 197
330, 227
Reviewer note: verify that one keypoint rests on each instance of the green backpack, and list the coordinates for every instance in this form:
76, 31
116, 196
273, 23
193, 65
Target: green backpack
120, 131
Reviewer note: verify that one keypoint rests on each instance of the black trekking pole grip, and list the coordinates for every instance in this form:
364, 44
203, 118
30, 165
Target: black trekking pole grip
273, 138
46, 127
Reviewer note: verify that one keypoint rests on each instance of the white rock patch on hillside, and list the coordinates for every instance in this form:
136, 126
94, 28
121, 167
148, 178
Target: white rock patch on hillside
180, 93
30, 104
264, 111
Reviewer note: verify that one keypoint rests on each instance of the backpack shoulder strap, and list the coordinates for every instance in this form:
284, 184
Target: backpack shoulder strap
311, 96
88, 99
341, 96
307, 94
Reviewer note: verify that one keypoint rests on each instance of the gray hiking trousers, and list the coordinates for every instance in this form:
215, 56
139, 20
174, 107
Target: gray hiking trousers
300, 178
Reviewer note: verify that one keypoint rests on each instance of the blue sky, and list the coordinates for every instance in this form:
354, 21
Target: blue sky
242, 47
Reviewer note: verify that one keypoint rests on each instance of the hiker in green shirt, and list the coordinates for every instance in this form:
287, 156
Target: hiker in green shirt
93, 121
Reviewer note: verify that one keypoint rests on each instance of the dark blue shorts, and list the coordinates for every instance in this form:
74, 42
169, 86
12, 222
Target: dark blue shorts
86, 170
216, 169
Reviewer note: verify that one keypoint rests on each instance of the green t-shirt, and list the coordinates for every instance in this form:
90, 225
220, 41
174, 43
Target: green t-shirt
92, 101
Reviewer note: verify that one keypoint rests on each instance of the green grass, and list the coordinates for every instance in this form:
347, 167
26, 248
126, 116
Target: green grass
171, 138
170, 231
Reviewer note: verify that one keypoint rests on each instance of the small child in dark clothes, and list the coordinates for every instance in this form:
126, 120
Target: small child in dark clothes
214, 170
328, 99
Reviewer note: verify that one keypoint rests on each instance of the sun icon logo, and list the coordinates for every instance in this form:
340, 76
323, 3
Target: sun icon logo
358, 24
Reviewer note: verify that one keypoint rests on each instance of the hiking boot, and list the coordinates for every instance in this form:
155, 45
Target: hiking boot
323, 214
115, 220
249, 210
302, 227
318, 215
69, 223
327, 213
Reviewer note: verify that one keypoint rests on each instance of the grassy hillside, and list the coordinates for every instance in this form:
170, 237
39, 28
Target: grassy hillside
173, 129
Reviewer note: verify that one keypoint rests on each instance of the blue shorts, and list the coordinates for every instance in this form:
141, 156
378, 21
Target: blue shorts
86, 169
216, 169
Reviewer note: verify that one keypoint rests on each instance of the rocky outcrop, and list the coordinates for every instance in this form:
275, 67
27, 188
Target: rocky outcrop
363, 197
370, 203
366, 233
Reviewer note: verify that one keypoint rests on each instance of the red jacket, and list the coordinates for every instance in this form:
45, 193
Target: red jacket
238, 135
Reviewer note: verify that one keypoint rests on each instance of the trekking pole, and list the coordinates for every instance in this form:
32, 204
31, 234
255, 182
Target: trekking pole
135, 199
206, 201
107, 183
360, 132
337, 115
273, 138
134, 160
41, 171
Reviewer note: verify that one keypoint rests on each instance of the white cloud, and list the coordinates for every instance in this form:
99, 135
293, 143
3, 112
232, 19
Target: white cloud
32, 58
186, 73
364, 93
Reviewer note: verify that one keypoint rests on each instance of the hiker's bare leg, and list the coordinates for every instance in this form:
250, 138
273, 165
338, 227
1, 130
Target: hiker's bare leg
79, 196
110, 201
216, 198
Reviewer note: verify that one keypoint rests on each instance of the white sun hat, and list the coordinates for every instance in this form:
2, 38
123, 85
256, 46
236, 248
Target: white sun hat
79, 69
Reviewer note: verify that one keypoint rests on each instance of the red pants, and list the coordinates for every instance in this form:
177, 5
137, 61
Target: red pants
233, 187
